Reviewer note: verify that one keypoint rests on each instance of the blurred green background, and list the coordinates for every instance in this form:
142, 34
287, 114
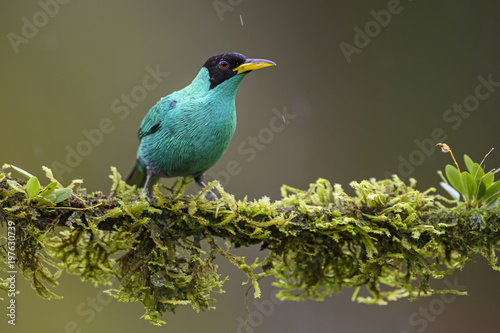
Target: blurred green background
68, 65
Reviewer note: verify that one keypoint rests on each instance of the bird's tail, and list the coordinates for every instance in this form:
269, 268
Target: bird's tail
137, 177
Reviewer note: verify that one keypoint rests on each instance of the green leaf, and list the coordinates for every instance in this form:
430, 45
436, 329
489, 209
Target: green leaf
51, 197
477, 172
25, 173
492, 192
468, 162
454, 178
469, 186
488, 179
492, 199
62, 194
481, 190
49, 189
43, 201
15, 185
32, 187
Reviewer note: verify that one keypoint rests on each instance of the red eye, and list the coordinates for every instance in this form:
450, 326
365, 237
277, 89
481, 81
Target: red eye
223, 64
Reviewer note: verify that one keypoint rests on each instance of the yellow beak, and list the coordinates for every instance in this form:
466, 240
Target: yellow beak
252, 64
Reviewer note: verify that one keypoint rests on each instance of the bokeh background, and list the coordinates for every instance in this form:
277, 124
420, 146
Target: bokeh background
354, 117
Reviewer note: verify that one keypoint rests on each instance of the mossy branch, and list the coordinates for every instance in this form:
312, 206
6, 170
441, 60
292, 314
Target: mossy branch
389, 237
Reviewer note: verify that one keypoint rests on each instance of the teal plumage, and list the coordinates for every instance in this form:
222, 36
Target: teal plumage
188, 131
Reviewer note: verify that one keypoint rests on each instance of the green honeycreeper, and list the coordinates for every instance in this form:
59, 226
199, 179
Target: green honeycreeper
187, 132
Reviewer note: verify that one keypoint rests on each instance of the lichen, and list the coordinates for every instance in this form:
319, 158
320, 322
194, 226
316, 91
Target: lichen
389, 238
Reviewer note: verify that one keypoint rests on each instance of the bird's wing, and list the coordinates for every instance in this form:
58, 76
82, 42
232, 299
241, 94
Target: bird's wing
152, 121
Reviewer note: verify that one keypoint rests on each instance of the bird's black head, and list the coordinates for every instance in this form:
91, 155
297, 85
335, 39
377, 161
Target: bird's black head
224, 66
220, 67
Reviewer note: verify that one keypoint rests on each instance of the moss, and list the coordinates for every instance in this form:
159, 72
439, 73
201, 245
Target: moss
389, 238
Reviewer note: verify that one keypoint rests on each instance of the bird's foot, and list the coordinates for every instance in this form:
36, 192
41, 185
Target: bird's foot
211, 196
145, 195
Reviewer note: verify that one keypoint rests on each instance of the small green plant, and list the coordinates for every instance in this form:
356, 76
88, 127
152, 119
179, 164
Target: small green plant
477, 188
48, 196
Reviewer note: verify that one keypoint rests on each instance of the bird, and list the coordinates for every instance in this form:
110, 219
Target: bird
185, 133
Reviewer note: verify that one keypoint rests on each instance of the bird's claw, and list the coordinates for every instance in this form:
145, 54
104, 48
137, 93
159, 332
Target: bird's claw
210, 196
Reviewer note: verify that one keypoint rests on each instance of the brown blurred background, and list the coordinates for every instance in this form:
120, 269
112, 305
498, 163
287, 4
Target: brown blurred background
68, 65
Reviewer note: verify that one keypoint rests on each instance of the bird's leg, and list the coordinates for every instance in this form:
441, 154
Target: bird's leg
151, 180
210, 195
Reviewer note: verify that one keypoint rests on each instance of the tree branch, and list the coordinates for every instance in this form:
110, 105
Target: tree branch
390, 238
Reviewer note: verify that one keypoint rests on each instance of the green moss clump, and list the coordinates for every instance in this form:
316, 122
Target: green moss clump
389, 238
